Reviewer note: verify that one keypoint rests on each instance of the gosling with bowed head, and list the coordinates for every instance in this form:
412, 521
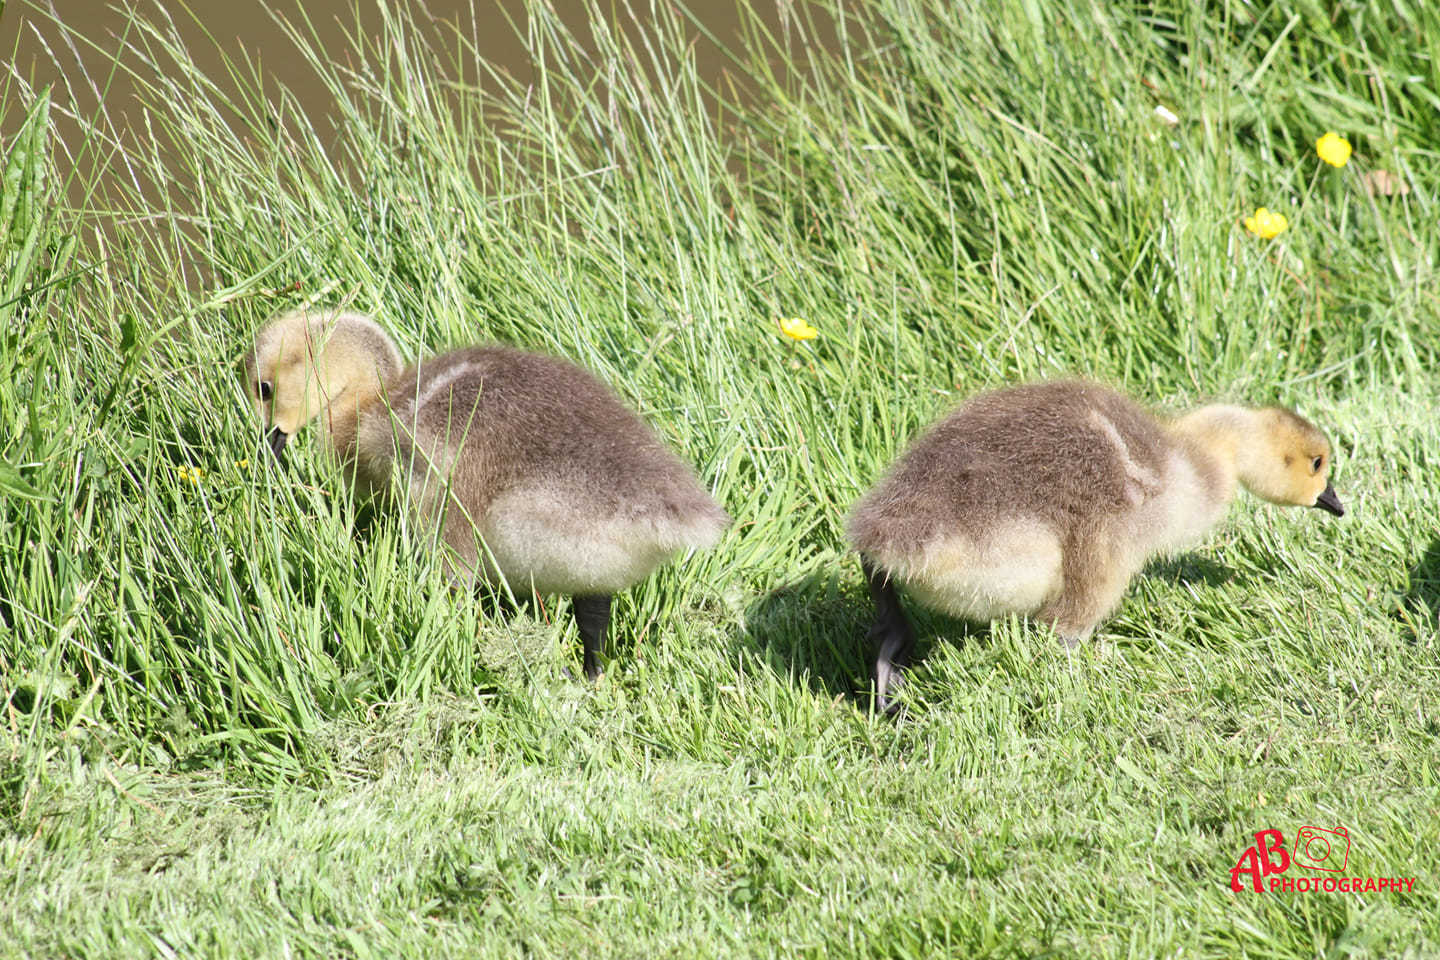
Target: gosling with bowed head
528, 466
1046, 499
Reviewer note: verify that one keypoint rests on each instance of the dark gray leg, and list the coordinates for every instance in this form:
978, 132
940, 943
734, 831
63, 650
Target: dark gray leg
892, 635
592, 616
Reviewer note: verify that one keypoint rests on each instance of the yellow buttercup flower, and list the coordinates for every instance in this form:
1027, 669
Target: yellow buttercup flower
797, 329
192, 475
1266, 224
1333, 149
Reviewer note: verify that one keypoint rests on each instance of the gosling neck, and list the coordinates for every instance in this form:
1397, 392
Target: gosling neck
1216, 440
350, 381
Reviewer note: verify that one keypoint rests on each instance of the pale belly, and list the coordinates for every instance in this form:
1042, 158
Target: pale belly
1016, 569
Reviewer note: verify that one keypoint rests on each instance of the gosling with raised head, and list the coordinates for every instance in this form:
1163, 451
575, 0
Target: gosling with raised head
1046, 499
529, 467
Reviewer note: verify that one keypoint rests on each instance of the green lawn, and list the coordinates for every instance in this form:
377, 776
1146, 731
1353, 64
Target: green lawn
240, 720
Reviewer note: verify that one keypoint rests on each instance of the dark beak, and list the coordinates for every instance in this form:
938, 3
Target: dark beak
276, 441
1328, 501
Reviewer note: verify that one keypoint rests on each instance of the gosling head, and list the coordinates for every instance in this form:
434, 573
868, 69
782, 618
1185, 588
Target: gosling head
305, 363
1287, 461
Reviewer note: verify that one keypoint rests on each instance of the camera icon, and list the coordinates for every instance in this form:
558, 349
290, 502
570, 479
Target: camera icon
1319, 849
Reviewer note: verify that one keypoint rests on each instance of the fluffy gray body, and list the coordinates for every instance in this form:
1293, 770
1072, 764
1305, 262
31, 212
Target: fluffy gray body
1046, 499
1019, 493
533, 471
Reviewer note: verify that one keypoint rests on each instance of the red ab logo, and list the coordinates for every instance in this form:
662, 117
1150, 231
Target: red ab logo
1256, 860
1315, 849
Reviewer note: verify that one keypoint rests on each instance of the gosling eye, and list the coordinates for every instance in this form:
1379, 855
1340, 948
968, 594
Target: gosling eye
265, 390
1316, 464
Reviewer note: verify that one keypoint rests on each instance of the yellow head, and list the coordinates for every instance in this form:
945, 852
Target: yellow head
304, 364
1283, 458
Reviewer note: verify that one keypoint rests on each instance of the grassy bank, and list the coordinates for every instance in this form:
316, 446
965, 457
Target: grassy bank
234, 726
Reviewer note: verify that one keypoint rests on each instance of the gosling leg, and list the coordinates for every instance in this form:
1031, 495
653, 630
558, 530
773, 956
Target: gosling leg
892, 635
592, 616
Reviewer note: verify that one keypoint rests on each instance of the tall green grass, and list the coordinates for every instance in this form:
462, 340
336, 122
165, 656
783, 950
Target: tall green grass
241, 720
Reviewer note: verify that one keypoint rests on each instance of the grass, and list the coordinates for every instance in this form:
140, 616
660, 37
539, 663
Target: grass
234, 726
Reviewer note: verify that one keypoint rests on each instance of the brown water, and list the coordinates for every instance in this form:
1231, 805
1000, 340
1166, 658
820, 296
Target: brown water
81, 69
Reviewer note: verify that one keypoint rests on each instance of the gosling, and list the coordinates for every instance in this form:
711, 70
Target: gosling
528, 467
1046, 499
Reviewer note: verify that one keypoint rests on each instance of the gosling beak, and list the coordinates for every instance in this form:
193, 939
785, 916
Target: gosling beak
1329, 502
276, 441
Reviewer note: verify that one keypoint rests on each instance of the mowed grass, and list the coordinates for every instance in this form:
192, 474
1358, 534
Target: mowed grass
242, 720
